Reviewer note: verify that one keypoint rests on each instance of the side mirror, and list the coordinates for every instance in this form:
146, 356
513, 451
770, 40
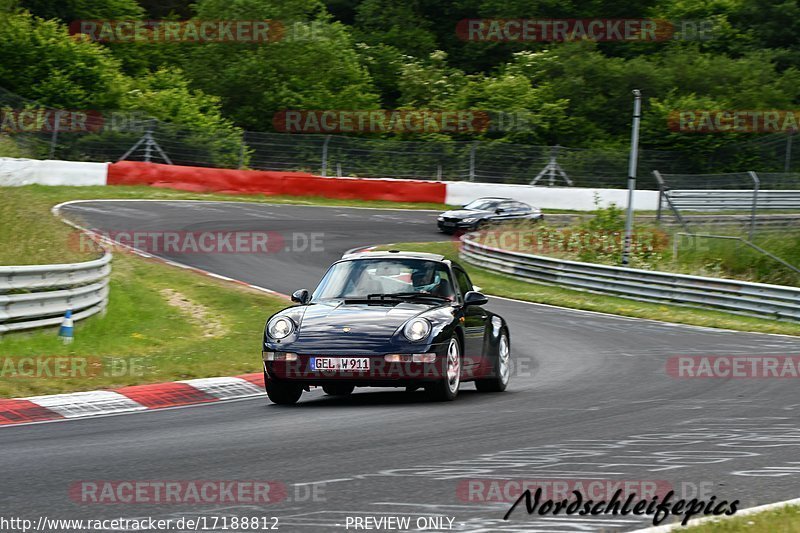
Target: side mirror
475, 298
301, 296
499, 211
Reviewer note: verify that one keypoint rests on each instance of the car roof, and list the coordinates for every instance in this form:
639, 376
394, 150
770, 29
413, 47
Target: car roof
496, 199
393, 254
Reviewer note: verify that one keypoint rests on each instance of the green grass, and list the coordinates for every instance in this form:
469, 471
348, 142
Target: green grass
140, 322
783, 520
653, 248
165, 342
732, 259
506, 286
8, 148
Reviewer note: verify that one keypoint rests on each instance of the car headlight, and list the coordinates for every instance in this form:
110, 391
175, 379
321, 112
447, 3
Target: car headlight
280, 327
469, 220
440, 219
417, 329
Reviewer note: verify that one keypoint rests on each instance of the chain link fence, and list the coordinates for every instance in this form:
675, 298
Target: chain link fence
135, 136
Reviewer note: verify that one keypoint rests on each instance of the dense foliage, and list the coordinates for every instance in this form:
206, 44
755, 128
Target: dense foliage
390, 54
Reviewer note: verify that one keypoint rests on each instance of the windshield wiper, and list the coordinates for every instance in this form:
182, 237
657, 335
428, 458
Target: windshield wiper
370, 299
411, 295
394, 297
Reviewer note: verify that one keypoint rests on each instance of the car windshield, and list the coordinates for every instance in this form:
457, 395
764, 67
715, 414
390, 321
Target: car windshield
482, 205
376, 278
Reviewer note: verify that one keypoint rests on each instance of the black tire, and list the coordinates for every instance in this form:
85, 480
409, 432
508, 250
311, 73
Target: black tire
338, 389
283, 393
446, 389
501, 371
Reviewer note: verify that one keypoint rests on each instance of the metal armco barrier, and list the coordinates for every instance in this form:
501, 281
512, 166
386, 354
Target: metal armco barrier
38, 295
739, 297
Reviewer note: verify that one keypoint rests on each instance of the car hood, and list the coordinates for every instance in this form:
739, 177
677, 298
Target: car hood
328, 319
466, 213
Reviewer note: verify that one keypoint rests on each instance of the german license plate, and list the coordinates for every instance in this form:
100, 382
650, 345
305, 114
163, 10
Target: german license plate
350, 364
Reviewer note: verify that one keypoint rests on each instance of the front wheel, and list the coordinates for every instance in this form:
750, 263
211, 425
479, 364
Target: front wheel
446, 390
283, 393
501, 370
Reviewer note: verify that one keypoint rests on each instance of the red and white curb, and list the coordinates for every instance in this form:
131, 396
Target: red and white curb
129, 399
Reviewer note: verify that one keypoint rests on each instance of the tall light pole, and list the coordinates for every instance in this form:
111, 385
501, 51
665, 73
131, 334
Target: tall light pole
634, 157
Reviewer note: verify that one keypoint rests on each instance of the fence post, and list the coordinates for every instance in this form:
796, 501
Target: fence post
324, 170
241, 151
663, 187
472, 161
756, 186
660, 202
54, 137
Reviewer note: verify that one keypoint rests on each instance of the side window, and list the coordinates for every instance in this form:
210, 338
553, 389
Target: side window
464, 284
507, 207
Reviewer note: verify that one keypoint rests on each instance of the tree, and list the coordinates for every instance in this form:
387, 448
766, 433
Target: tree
315, 66
397, 24
70, 10
41, 61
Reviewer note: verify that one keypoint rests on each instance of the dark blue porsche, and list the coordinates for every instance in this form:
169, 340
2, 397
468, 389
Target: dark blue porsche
387, 319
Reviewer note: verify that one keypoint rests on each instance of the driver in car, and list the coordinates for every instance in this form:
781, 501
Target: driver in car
429, 280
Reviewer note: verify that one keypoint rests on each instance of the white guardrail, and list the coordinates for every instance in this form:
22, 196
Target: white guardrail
740, 297
38, 295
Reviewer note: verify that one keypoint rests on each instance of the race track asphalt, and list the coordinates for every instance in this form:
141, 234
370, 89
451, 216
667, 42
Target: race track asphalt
589, 400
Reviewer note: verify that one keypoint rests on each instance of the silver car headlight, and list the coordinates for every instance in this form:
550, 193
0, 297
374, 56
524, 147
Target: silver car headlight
417, 329
280, 327
469, 220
